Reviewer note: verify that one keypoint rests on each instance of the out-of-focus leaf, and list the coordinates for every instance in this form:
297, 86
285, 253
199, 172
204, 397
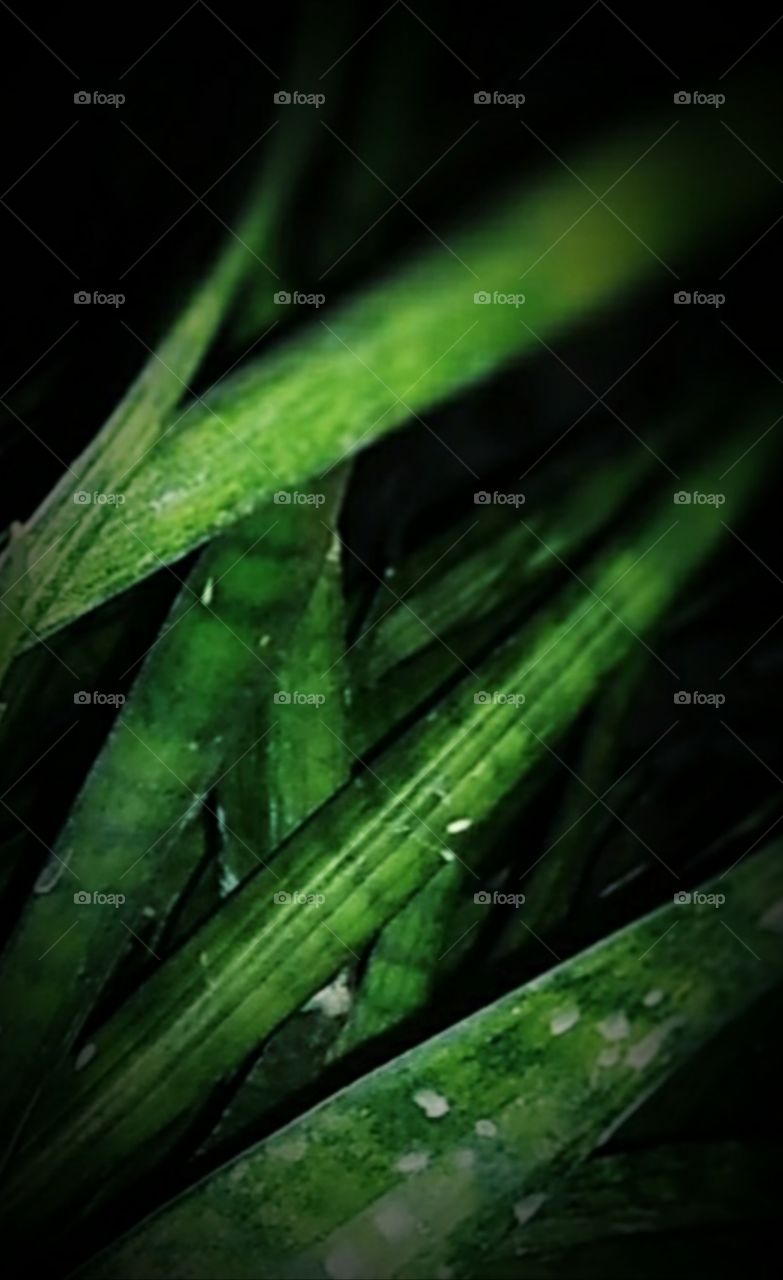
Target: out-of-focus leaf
409, 343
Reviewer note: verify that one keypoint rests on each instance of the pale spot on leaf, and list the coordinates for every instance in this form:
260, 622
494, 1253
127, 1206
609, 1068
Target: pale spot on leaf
434, 1105
525, 1209
413, 1162
563, 1021
615, 1027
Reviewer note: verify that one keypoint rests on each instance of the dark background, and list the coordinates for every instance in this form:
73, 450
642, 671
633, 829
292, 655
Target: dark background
199, 99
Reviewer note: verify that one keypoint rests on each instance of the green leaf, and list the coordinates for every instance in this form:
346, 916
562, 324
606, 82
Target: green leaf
300, 763
432, 1161
402, 967
229, 631
61, 529
450, 601
360, 857
407, 345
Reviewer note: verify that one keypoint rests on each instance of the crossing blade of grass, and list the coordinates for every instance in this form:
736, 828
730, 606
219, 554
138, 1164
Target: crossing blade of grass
303, 759
176, 734
410, 343
401, 970
431, 1161
450, 600
301, 762
360, 857
556, 878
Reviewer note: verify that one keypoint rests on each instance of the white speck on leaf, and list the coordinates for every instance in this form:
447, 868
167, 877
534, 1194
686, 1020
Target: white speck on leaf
343, 1263
395, 1222
615, 1027
772, 918
608, 1057
459, 824
87, 1054
486, 1128
291, 1152
334, 1000
208, 592
525, 1209
228, 881
413, 1162
563, 1021
653, 998
434, 1105
642, 1053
